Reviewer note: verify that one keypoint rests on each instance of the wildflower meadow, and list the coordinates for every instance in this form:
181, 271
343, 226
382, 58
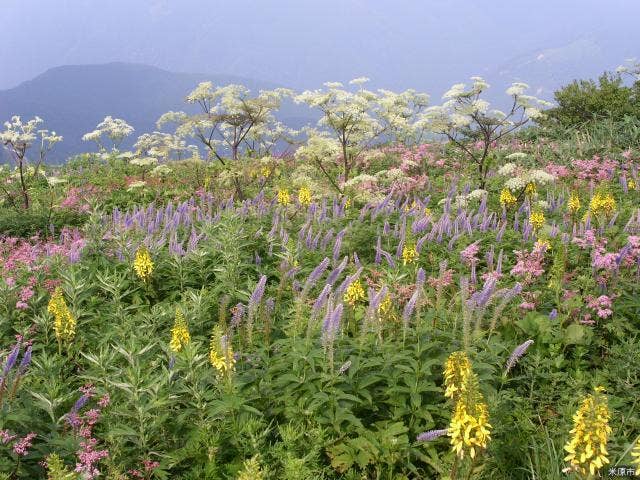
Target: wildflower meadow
404, 290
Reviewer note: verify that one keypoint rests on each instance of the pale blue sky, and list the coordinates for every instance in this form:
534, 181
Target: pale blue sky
425, 44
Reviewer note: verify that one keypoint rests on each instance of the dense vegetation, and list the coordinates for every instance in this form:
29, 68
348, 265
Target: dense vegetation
379, 304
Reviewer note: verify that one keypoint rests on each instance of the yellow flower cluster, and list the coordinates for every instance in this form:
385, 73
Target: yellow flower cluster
385, 306
409, 253
470, 430
631, 184
587, 447
457, 369
179, 333
251, 469
220, 352
536, 219
64, 323
142, 264
283, 197
530, 189
602, 204
304, 196
354, 293
507, 199
574, 203
427, 212
635, 454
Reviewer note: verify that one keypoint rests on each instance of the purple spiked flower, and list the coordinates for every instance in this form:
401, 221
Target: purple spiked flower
11, 359
258, 292
517, 353
26, 361
409, 307
321, 300
315, 275
432, 435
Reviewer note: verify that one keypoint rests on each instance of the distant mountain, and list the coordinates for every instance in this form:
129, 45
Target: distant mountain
72, 100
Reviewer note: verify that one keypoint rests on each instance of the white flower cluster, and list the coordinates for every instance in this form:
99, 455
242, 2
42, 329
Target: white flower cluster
521, 179
115, 129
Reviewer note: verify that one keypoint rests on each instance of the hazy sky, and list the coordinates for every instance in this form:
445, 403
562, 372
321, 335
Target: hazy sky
302, 43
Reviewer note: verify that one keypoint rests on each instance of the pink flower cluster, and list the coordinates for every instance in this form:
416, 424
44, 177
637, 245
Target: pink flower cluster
77, 199
23, 262
600, 305
20, 447
529, 264
82, 425
469, 254
559, 171
596, 168
148, 467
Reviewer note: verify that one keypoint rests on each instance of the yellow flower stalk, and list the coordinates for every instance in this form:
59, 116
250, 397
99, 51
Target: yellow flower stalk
635, 454
385, 306
283, 197
602, 204
530, 189
507, 199
304, 196
220, 352
354, 293
251, 469
179, 333
457, 370
409, 254
587, 448
64, 323
469, 428
574, 203
142, 264
536, 219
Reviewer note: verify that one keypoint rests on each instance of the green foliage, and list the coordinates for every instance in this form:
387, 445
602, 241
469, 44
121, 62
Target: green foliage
587, 101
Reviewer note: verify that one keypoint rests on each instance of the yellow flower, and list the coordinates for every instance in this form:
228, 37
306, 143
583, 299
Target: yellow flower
64, 323
543, 243
283, 197
385, 305
507, 199
635, 454
179, 333
409, 254
220, 352
631, 184
304, 196
530, 189
574, 203
602, 204
265, 172
536, 219
427, 212
207, 183
251, 469
143, 264
457, 369
354, 293
587, 448
470, 428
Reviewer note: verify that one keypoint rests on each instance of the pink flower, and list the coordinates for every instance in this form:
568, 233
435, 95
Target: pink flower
527, 306
22, 446
468, 255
